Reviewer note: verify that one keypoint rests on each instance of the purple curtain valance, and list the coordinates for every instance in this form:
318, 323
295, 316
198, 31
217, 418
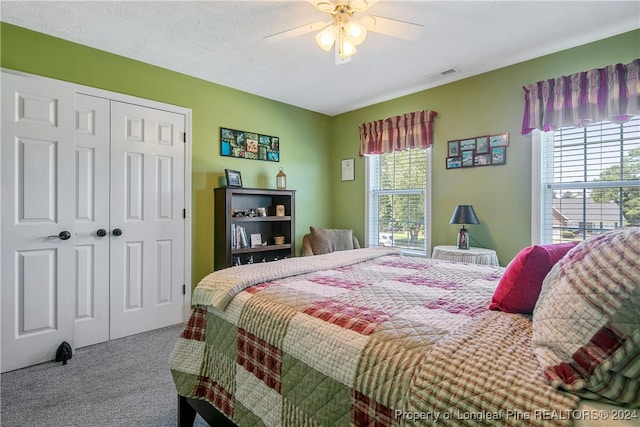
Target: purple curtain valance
410, 130
609, 93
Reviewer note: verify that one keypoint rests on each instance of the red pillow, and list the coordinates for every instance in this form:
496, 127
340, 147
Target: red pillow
520, 285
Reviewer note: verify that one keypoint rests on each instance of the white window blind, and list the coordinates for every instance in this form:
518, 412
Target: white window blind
590, 180
398, 200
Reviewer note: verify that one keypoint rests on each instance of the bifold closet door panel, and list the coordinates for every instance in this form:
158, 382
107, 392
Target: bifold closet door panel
37, 225
91, 202
147, 223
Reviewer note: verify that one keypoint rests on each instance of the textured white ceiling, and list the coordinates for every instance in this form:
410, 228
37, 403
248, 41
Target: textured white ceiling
222, 41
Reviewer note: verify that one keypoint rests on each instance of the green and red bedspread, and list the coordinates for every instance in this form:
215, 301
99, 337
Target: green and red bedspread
361, 338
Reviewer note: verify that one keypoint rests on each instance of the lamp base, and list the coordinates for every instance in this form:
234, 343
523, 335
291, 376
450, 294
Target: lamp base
463, 238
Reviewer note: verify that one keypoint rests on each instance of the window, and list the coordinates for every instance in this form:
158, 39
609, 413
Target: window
397, 200
590, 180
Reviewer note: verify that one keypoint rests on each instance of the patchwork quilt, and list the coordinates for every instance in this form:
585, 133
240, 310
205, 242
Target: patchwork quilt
362, 338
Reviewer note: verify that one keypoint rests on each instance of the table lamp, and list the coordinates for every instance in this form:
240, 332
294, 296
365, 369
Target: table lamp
464, 214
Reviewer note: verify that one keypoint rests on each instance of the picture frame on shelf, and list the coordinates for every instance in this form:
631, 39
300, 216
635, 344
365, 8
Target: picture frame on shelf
234, 178
256, 240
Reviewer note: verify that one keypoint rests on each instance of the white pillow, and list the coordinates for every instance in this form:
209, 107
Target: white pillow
586, 322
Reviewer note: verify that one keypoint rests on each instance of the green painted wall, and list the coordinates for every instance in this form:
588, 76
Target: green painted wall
303, 134
312, 143
486, 104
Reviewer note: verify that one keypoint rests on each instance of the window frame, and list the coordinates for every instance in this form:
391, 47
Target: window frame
427, 205
540, 235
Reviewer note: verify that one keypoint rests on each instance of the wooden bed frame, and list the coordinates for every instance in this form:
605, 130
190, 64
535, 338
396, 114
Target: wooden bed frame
187, 409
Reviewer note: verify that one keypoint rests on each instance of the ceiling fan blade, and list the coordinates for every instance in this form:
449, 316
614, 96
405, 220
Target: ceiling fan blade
392, 27
329, 6
295, 32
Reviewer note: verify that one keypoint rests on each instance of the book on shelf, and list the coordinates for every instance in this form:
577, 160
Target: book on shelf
244, 241
239, 239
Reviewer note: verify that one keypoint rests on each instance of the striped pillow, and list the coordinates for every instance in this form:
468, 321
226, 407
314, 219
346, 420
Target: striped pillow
586, 322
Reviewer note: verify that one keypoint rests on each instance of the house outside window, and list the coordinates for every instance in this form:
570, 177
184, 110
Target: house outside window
586, 180
398, 198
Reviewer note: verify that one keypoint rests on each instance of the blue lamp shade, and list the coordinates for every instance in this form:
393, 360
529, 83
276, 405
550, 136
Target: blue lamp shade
464, 214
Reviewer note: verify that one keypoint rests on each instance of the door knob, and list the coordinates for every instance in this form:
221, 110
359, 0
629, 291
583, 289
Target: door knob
116, 232
63, 235
101, 232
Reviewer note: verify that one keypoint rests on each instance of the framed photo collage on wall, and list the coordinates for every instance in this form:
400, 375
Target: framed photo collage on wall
488, 150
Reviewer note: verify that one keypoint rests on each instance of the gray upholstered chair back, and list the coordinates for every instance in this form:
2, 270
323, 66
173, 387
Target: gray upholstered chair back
325, 240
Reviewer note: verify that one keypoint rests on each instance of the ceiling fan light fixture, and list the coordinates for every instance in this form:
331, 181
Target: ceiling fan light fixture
368, 21
346, 47
344, 32
327, 37
325, 6
356, 32
359, 5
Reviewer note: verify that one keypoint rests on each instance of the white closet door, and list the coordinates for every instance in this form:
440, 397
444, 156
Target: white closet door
73, 166
91, 195
37, 225
147, 224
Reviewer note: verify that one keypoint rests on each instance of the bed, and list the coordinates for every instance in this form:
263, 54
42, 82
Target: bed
369, 337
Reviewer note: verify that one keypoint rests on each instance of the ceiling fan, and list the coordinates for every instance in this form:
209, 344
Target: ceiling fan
345, 31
